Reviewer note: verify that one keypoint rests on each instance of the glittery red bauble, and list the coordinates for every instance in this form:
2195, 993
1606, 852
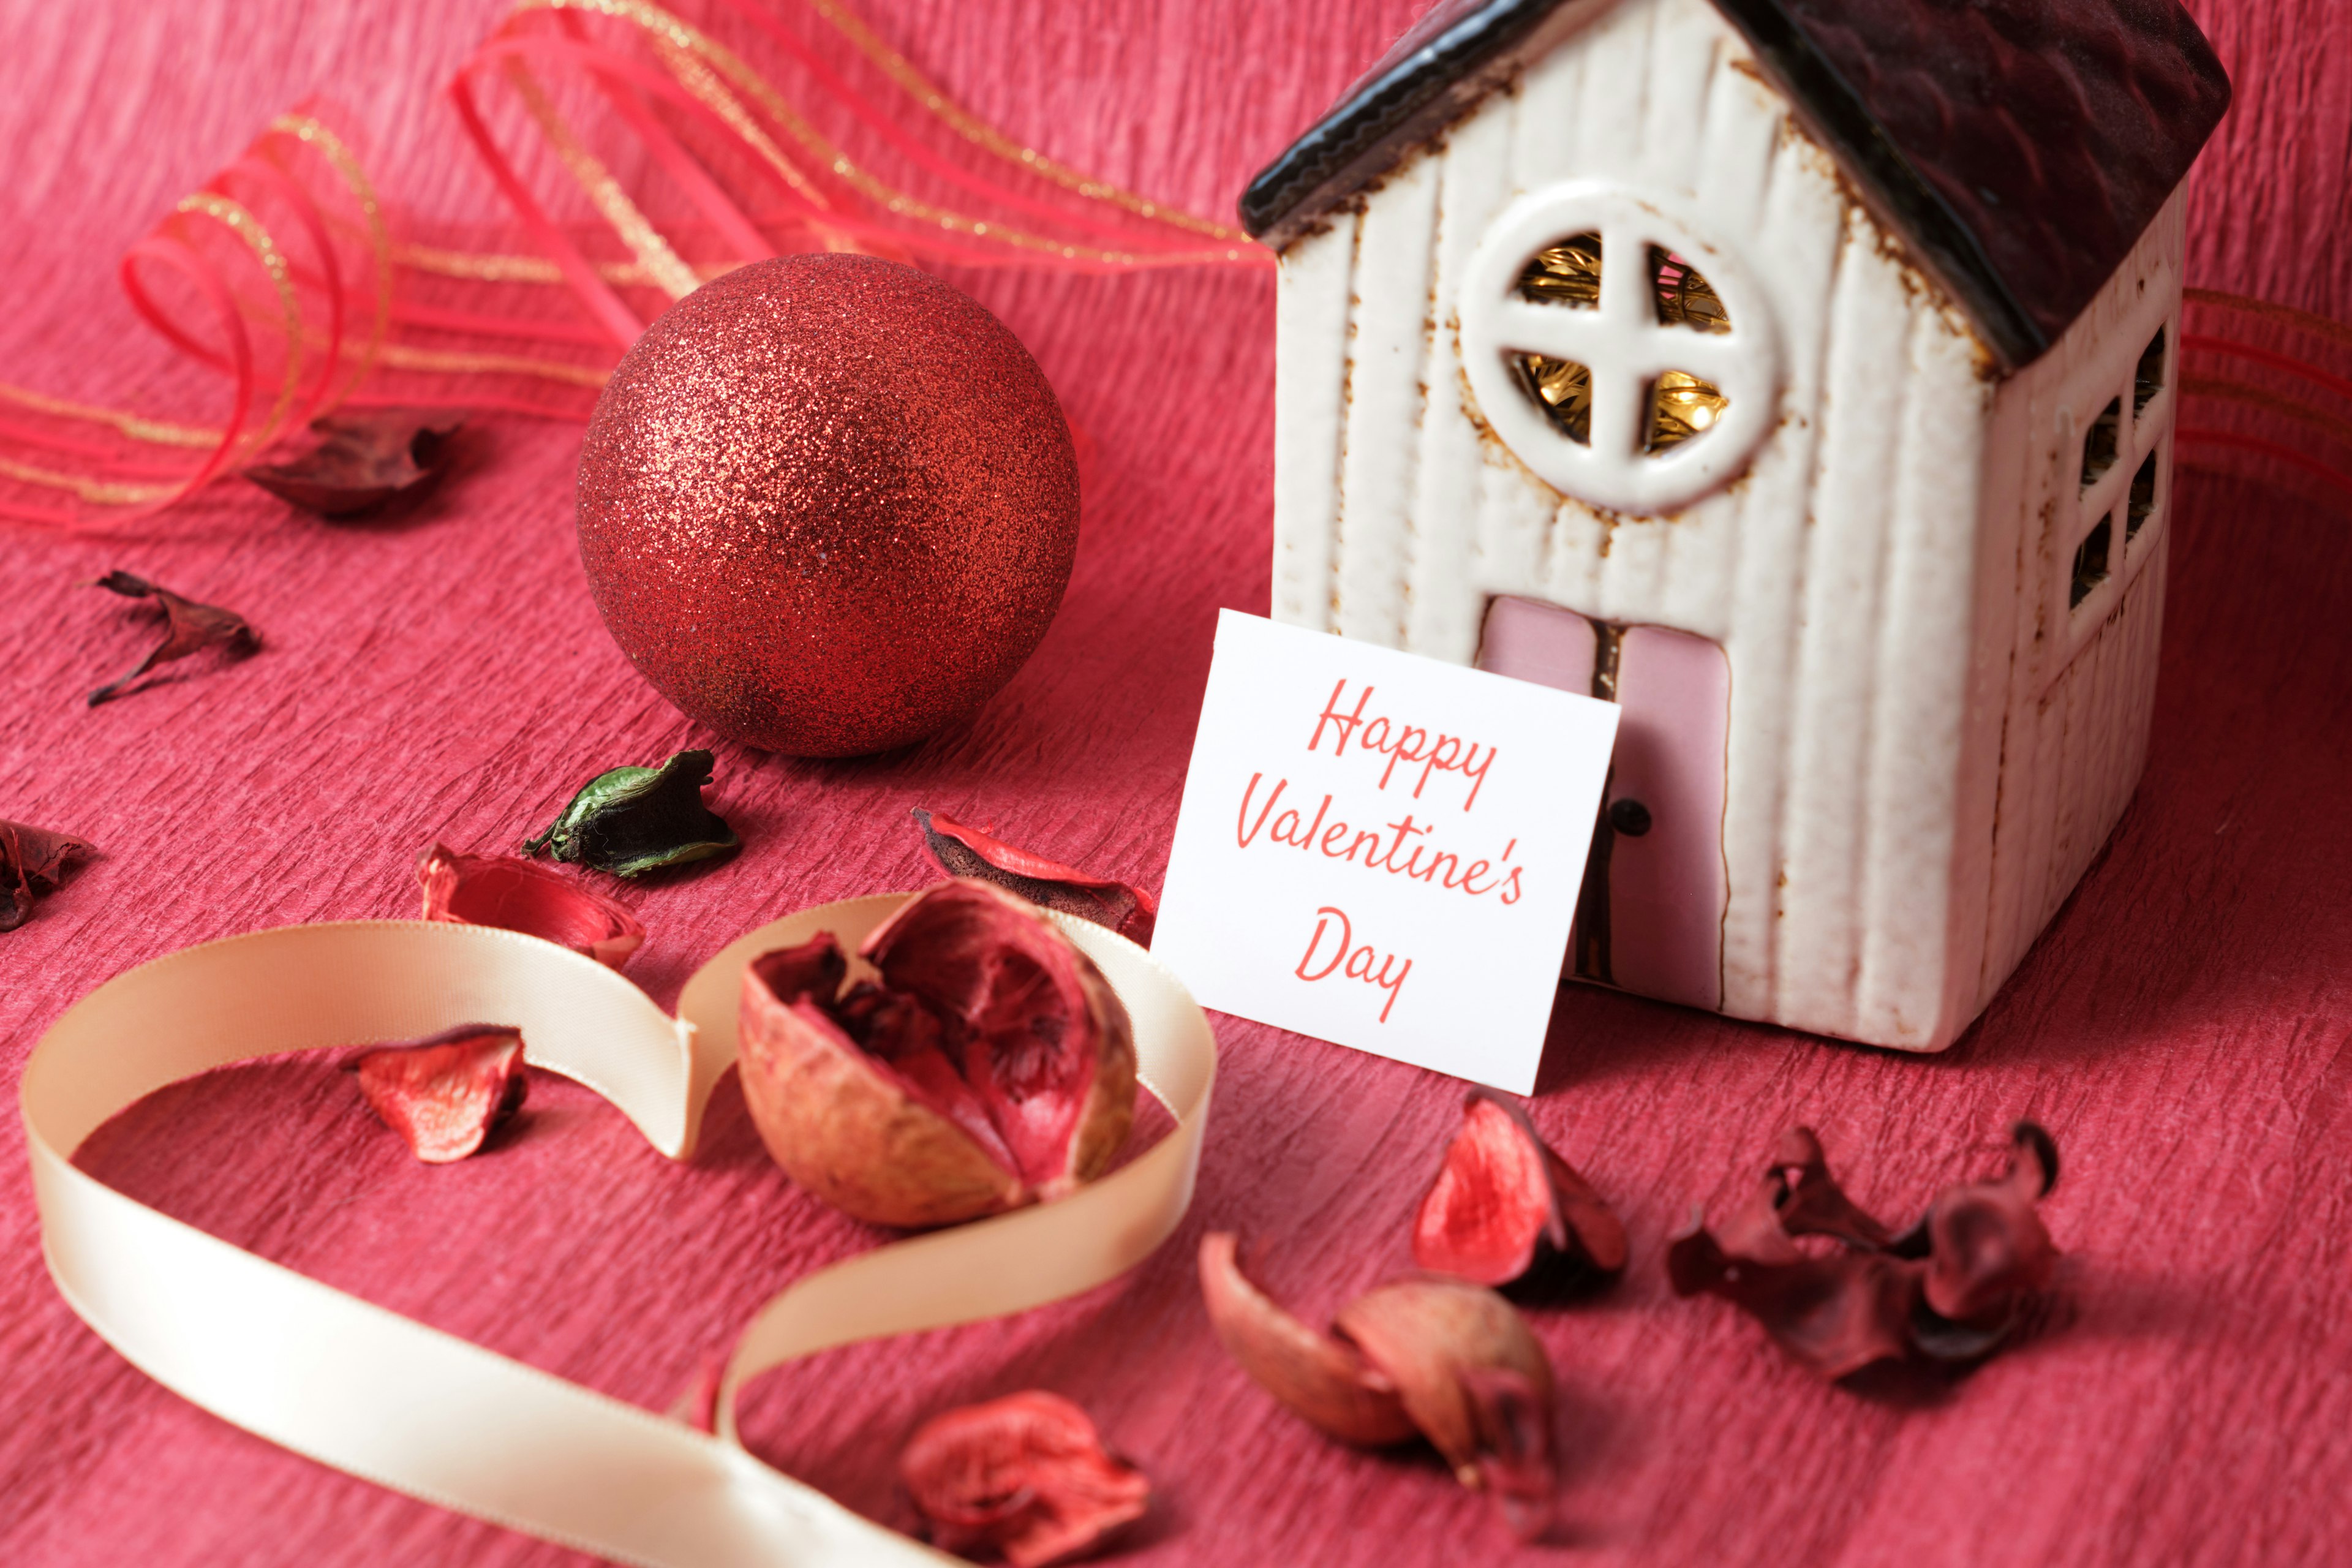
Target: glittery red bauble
827, 505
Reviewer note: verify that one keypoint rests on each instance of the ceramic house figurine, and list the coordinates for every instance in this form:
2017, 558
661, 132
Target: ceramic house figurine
1799, 374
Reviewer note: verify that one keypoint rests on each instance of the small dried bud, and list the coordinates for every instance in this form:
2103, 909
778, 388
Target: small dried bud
522, 895
631, 820
1025, 1474
1505, 1210
446, 1092
32, 861
991, 1066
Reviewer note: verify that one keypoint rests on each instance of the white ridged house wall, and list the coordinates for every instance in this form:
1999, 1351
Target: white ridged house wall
1918, 766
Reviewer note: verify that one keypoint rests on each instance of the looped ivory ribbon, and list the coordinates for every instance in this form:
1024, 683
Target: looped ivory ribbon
367, 1390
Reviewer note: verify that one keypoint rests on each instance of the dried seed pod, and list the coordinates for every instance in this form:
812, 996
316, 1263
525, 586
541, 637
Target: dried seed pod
1324, 1381
631, 820
1507, 1210
1025, 1474
446, 1092
967, 852
1447, 1359
188, 627
364, 458
522, 895
1950, 1289
991, 1066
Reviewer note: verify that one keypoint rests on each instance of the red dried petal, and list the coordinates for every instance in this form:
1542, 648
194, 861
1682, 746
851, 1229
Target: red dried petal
1836, 1315
1474, 1379
187, 628
1987, 1248
1025, 1474
991, 1066
446, 1092
1323, 1381
514, 894
967, 852
32, 861
364, 460
1505, 1208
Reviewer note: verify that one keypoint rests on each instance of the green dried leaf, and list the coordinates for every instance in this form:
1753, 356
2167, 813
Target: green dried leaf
631, 820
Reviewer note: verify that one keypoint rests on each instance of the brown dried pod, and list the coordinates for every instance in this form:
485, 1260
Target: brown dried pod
188, 627
990, 1066
32, 861
1507, 1211
364, 458
1950, 1289
1442, 1357
1025, 1474
446, 1092
514, 894
968, 852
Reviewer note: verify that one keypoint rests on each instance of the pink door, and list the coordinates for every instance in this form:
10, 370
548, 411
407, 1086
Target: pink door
1651, 917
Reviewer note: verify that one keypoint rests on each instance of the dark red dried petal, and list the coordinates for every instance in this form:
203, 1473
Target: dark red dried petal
446, 1092
514, 894
1323, 1381
32, 861
967, 852
1507, 1209
1836, 1315
364, 460
187, 628
1987, 1248
1025, 1474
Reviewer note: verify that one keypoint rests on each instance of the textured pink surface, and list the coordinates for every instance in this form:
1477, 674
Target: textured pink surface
2183, 1028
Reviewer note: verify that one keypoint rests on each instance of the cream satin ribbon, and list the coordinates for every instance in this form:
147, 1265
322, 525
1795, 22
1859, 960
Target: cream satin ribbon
426, 1412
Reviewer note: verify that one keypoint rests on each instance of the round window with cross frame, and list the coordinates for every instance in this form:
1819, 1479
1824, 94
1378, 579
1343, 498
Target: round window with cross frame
1625, 360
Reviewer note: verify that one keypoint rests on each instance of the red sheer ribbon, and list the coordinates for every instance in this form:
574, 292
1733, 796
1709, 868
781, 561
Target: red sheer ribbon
2270, 395
638, 154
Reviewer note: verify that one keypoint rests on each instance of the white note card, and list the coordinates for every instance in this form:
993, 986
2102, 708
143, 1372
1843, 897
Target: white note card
1383, 850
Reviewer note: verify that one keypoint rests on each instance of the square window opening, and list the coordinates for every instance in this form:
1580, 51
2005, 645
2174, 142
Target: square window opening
2142, 505
2099, 442
2149, 379
2090, 563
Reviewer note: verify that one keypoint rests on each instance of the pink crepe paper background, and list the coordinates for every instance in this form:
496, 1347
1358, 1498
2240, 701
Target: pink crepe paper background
2185, 1028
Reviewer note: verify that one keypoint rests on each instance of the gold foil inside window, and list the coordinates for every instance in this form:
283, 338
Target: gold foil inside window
1684, 296
1565, 273
2149, 379
2143, 497
2090, 563
1563, 389
1680, 407
2099, 442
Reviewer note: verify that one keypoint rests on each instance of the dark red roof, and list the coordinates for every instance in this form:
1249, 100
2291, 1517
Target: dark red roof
2022, 146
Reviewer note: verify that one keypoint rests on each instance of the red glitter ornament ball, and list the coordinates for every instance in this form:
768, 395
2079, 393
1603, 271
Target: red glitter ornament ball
828, 505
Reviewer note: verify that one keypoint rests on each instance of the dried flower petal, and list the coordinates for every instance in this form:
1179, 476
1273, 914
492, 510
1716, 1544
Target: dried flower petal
446, 1092
32, 861
993, 1065
1506, 1209
1950, 1288
967, 852
364, 460
187, 628
1025, 1474
631, 820
1446, 1358
523, 894
1323, 1381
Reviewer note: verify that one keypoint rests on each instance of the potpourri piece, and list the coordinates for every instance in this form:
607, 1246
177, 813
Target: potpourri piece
1950, 1289
445, 1093
514, 894
1507, 1211
33, 862
365, 459
964, 851
631, 820
990, 1066
1442, 1357
188, 627
1025, 1475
